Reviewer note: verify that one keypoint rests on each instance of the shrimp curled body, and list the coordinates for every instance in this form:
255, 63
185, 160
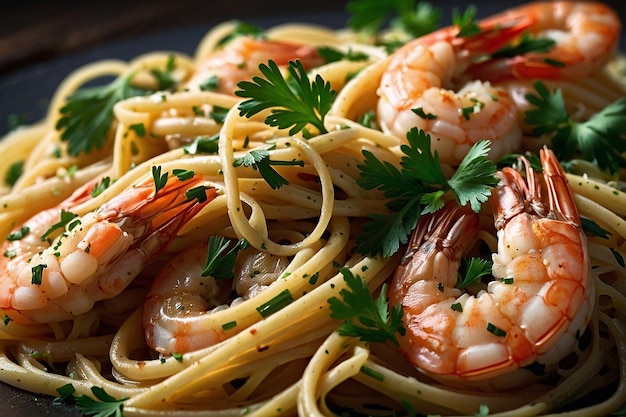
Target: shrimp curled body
538, 302
426, 75
178, 312
585, 36
240, 59
100, 253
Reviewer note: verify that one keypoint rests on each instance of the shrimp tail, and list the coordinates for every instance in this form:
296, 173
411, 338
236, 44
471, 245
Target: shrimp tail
560, 197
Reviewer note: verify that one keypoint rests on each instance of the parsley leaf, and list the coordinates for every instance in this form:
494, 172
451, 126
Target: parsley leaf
66, 217
418, 187
365, 318
259, 159
203, 144
330, 54
164, 78
414, 17
474, 176
466, 21
13, 173
601, 139
101, 186
221, 260
87, 116
293, 105
160, 180
526, 44
472, 270
242, 28
104, 406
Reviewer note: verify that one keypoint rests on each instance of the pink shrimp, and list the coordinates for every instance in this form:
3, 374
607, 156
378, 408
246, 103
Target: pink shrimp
585, 35
240, 59
95, 256
422, 77
540, 297
177, 312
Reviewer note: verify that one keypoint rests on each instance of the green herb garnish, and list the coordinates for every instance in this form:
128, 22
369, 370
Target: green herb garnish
331, 54
466, 22
160, 180
165, 79
87, 116
13, 173
103, 406
417, 188
413, 17
203, 144
220, 259
37, 274
293, 105
66, 217
526, 44
472, 270
281, 300
601, 139
259, 159
368, 319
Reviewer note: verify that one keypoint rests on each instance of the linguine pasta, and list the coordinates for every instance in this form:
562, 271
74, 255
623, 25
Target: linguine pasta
272, 357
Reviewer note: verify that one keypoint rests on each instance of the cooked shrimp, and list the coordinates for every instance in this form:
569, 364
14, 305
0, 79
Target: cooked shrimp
177, 311
586, 36
240, 59
98, 254
540, 297
422, 76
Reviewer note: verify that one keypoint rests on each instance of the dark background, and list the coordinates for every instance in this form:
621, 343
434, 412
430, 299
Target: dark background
42, 41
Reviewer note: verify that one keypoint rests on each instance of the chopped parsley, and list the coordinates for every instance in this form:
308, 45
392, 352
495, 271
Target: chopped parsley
220, 259
13, 173
103, 406
331, 54
466, 21
66, 218
259, 159
242, 28
281, 300
165, 78
472, 270
101, 186
526, 44
160, 180
19, 234
203, 144
87, 116
37, 274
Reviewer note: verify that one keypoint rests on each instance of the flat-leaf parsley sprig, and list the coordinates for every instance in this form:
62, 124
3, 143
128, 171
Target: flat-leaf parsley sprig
293, 105
417, 188
87, 115
368, 319
601, 139
413, 17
